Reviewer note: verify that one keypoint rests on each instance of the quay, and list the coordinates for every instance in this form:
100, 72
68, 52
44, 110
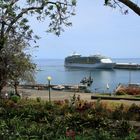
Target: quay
130, 66
46, 87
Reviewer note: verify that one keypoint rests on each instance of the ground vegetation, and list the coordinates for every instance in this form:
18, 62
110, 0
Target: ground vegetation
65, 120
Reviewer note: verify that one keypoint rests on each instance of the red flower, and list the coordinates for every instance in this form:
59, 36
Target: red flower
70, 133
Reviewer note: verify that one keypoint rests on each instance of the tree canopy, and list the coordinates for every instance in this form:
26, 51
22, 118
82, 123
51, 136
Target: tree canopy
129, 3
15, 13
16, 33
16, 64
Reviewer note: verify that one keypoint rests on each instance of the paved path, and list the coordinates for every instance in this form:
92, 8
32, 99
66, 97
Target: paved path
62, 95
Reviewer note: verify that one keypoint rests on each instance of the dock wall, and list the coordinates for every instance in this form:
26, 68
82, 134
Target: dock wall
46, 87
130, 66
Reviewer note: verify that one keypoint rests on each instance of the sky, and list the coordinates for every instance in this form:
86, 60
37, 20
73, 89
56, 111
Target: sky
96, 29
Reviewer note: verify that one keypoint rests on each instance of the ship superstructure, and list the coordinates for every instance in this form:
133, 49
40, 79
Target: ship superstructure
92, 61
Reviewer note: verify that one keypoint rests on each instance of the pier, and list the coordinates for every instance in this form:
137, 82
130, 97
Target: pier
78, 88
130, 66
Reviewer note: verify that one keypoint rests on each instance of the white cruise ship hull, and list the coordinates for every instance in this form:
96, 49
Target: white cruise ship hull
91, 66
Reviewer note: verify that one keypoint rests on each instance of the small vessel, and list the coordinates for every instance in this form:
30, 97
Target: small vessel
87, 80
58, 87
93, 61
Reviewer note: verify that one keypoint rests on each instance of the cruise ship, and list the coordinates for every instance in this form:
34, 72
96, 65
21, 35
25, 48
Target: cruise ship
92, 62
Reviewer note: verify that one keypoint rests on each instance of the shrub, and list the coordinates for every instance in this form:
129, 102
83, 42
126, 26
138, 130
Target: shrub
15, 98
129, 90
38, 99
120, 92
45, 120
11, 93
133, 112
118, 113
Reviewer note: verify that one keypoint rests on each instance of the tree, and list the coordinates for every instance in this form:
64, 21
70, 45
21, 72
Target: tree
129, 3
14, 16
22, 71
17, 64
14, 25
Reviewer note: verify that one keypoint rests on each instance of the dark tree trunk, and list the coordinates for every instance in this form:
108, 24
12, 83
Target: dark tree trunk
3, 74
16, 88
1, 90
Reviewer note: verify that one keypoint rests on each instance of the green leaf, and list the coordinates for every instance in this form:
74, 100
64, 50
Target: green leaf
26, 28
50, 7
25, 20
36, 37
73, 2
106, 2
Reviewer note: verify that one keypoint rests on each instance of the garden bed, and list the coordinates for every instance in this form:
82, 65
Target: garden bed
67, 119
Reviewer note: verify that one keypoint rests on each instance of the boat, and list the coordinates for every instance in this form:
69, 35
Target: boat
93, 61
58, 87
87, 80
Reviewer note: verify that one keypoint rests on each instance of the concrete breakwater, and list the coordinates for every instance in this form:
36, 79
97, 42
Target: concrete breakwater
46, 87
133, 66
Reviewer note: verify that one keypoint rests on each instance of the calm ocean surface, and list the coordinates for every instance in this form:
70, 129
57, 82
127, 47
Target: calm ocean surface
60, 75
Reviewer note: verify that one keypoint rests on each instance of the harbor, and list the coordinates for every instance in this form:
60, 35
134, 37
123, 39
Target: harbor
129, 66
63, 76
42, 91
38, 90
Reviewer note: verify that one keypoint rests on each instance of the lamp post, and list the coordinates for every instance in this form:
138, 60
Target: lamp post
49, 81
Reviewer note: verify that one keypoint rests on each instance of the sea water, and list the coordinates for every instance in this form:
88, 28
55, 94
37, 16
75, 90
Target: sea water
104, 80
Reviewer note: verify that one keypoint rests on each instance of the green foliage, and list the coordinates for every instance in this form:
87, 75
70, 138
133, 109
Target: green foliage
17, 65
107, 2
16, 34
11, 93
118, 113
38, 99
59, 10
15, 98
132, 136
33, 119
133, 112
74, 2
120, 93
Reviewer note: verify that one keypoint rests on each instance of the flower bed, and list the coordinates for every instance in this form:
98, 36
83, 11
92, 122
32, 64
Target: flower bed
64, 120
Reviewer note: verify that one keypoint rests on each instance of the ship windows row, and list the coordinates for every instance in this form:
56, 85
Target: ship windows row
82, 60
